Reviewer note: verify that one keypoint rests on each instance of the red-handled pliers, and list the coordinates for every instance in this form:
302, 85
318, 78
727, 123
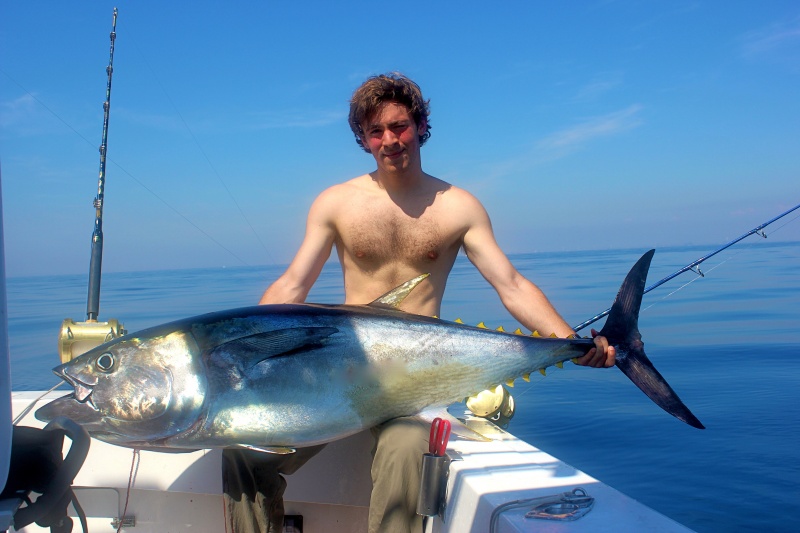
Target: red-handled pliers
440, 434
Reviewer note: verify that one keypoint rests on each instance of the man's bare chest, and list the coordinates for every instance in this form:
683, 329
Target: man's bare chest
382, 238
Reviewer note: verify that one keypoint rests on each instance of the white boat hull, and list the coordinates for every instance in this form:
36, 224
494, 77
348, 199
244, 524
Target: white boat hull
183, 492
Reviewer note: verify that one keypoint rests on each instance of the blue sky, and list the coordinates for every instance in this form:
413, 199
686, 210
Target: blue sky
580, 126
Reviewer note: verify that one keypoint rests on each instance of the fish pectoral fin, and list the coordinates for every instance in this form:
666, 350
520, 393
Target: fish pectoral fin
276, 450
395, 297
276, 342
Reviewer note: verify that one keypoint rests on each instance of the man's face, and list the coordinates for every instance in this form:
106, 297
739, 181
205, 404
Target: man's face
392, 137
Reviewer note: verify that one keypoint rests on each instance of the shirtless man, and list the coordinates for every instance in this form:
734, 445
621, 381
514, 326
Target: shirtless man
389, 226
397, 222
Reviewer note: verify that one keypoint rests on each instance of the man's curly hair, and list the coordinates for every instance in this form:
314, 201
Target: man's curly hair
391, 87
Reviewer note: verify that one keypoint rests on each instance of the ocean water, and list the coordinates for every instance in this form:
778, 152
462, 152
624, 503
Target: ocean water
727, 343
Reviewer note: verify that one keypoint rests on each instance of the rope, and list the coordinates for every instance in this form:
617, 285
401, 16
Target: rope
131, 479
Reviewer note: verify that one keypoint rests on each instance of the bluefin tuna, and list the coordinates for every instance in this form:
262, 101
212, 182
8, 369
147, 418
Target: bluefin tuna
280, 377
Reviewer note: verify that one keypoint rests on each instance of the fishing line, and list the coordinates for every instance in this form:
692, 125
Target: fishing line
202, 151
732, 256
531, 385
76, 132
696, 278
125, 171
694, 266
781, 226
34, 402
174, 210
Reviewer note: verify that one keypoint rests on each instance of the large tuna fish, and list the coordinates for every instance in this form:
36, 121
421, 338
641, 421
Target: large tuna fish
278, 377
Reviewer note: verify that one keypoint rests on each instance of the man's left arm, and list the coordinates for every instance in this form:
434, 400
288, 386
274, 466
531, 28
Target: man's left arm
523, 299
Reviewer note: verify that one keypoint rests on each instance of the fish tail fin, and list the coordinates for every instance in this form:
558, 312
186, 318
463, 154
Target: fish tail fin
622, 331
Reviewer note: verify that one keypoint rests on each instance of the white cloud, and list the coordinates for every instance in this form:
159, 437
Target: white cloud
299, 119
15, 108
777, 37
572, 138
560, 144
598, 87
24, 116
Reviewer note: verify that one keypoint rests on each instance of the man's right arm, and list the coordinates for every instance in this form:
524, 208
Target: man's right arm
524, 300
294, 284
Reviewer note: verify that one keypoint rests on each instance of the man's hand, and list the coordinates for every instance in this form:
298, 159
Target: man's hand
601, 356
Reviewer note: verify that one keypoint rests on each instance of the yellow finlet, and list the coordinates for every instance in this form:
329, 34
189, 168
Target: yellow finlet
434, 316
459, 321
510, 382
553, 336
574, 360
542, 371
526, 377
535, 334
560, 364
519, 332
501, 329
482, 326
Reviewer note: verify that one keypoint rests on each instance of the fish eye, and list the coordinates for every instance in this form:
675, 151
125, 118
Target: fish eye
105, 362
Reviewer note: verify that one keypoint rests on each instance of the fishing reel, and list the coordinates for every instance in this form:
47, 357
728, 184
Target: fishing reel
495, 404
77, 338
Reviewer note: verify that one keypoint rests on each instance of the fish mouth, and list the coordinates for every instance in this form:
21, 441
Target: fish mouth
81, 391
82, 413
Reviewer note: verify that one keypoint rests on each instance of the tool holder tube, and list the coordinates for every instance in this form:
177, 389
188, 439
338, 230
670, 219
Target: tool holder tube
433, 483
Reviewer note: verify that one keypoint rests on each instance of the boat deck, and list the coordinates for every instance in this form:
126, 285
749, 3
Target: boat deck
183, 492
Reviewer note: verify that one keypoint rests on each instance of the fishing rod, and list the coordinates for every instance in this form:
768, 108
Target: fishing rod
95, 263
76, 338
693, 266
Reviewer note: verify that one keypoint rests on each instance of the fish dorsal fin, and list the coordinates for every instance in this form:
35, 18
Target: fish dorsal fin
258, 347
276, 450
395, 297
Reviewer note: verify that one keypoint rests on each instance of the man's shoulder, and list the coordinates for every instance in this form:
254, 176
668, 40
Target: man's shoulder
458, 195
346, 187
462, 207
362, 182
335, 196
